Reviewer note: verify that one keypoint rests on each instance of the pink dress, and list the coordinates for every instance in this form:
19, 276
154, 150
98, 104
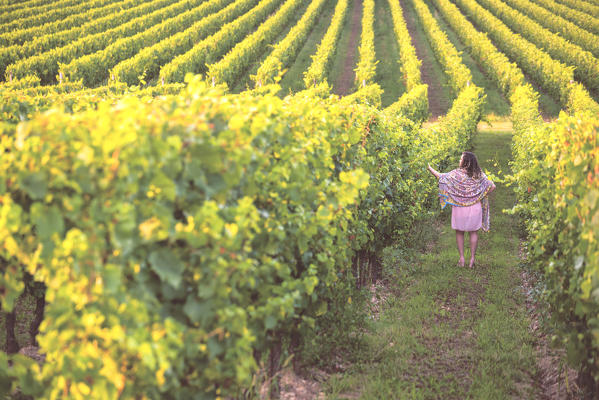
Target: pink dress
468, 218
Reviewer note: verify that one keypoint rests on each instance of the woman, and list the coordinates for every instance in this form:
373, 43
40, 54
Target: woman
466, 189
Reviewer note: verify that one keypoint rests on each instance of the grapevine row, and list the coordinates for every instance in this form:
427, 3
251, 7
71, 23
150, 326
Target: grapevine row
318, 70
413, 104
46, 64
209, 49
366, 68
498, 67
448, 56
94, 68
42, 44
27, 34
585, 7
285, 51
195, 220
22, 104
578, 19
587, 66
556, 168
236, 61
148, 61
409, 63
7, 7
54, 14
23, 10
554, 76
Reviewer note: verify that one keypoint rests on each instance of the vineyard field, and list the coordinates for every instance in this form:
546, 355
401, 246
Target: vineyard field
201, 197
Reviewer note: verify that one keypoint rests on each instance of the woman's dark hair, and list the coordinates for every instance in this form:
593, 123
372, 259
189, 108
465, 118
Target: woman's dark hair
470, 164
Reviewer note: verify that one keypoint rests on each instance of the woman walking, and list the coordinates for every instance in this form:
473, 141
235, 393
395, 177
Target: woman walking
466, 189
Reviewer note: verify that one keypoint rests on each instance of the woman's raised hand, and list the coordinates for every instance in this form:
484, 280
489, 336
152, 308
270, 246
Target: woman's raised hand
432, 171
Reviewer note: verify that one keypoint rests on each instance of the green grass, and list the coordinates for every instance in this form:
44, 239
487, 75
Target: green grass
496, 105
293, 79
450, 332
388, 73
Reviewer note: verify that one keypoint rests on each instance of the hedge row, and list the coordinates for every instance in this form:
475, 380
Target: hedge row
27, 34
553, 76
498, 67
224, 234
59, 10
148, 61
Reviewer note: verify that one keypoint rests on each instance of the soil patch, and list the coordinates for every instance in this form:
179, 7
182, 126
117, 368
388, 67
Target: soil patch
437, 101
345, 82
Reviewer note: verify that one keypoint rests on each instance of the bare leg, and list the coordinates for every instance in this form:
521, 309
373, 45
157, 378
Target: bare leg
473, 244
459, 237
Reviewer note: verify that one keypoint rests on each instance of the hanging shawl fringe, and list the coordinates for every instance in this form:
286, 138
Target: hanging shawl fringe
458, 189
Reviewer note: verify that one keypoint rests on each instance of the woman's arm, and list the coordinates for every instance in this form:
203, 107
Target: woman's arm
432, 171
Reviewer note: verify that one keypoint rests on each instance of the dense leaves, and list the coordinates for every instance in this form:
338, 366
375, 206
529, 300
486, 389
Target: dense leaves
284, 52
318, 70
179, 237
557, 175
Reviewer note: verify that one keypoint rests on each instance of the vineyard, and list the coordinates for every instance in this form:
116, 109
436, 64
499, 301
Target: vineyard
197, 194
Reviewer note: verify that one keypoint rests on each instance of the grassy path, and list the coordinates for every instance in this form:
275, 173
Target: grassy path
449, 332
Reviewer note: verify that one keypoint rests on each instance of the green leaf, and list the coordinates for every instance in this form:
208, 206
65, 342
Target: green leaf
270, 322
35, 185
47, 220
197, 311
168, 267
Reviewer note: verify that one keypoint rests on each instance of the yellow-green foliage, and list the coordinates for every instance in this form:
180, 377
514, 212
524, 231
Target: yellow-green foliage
93, 69
366, 69
575, 30
319, 68
412, 104
557, 171
46, 65
459, 75
286, 50
37, 40
178, 236
587, 66
408, 61
506, 74
233, 64
147, 61
552, 75
211, 48
83, 18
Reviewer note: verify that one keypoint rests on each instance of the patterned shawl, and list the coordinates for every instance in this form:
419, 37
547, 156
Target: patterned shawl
458, 189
